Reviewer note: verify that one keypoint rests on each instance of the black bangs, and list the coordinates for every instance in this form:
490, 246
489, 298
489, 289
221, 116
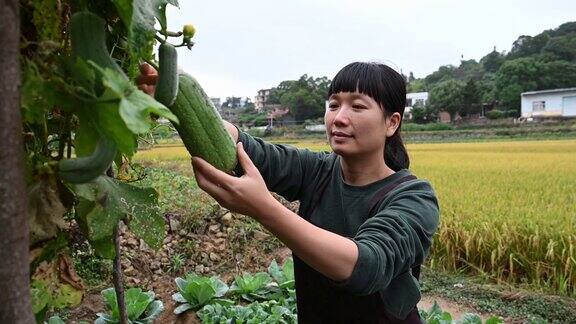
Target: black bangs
380, 82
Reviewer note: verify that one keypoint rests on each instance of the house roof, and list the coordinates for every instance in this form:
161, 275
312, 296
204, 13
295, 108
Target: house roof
548, 91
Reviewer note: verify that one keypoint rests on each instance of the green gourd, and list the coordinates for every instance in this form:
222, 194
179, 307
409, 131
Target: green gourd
201, 127
88, 38
167, 85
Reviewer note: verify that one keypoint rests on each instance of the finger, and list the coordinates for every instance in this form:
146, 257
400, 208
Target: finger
244, 160
213, 189
148, 89
146, 68
212, 174
147, 79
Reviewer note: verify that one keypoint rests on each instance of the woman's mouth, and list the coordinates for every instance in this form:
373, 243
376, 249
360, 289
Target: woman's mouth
340, 135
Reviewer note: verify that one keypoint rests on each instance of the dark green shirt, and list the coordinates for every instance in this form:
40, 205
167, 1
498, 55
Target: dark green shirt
390, 242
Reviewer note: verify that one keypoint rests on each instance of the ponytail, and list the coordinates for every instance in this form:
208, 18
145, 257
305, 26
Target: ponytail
395, 154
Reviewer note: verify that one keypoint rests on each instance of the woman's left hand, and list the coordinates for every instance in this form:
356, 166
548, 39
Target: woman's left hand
247, 195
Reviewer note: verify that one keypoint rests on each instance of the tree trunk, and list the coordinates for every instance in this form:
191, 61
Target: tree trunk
15, 306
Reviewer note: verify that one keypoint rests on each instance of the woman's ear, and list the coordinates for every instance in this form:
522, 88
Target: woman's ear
392, 123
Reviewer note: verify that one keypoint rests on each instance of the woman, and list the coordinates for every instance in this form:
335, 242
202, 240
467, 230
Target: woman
364, 221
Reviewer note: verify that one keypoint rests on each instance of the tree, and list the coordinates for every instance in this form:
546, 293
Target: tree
470, 99
447, 96
417, 85
422, 114
305, 97
530, 74
15, 305
445, 72
492, 61
562, 48
526, 46
232, 102
469, 69
249, 105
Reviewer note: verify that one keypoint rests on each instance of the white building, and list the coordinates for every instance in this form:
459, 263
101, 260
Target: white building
549, 103
412, 99
261, 99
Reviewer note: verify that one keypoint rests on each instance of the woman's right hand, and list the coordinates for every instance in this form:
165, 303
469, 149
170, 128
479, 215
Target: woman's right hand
147, 79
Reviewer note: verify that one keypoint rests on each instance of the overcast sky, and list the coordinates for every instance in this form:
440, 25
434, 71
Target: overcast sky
243, 46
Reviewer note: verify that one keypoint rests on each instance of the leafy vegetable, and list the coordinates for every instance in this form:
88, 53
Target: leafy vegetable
195, 291
435, 315
141, 307
252, 287
284, 275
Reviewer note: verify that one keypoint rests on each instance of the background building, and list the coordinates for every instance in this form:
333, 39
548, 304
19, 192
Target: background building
549, 103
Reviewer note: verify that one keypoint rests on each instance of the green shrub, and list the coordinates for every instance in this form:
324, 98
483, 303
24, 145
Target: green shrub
495, 114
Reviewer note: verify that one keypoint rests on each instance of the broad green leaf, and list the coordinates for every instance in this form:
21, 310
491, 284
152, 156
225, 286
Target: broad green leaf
202, 291
109, 295
146, 221
135, 105
153, 311
177, 297
104, 247
182, 308
112, 201
494, 320
111, 124
55, 320
39, 95
83, 75
86, 136
248, 283
40, 295
275, 271
470, 318
105, 318
219, 286
137, 302
181, 283
138, 17
67, 296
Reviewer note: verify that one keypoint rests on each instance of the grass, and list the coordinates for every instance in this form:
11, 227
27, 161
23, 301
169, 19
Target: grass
521, 305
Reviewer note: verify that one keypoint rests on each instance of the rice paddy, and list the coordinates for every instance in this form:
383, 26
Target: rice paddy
508, 209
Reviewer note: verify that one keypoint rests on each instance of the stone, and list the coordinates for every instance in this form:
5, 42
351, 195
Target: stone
214, 256
155, 265
260, 236
199, 268
214, 228
226, 219
173, 224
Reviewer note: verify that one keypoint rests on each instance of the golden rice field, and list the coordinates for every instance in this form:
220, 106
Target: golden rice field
508, 209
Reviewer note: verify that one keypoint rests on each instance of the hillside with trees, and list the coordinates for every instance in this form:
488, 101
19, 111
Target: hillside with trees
544, 61
494, 83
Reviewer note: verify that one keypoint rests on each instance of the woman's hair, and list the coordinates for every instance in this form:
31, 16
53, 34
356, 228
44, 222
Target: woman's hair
388, 88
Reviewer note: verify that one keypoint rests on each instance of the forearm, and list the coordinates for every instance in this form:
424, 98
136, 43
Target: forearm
328, 253
232, 130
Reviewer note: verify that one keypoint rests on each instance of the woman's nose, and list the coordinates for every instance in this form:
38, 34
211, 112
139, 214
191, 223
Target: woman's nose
341, 117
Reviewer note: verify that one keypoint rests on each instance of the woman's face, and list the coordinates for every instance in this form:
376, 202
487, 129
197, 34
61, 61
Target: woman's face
355, 124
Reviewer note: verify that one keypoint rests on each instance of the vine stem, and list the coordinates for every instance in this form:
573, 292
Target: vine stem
117, 277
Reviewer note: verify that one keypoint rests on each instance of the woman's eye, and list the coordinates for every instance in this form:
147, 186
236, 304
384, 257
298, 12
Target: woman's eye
333, 106
358, 107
